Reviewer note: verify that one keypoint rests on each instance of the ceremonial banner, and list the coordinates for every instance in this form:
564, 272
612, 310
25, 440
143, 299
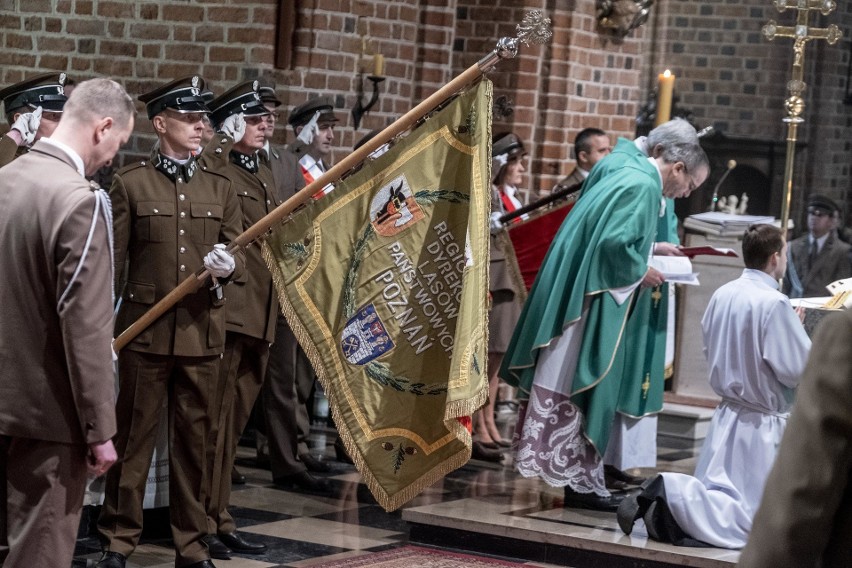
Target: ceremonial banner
384, 282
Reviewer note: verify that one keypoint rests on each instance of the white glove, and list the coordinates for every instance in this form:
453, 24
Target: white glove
311, 129
234, 126
27, 124
219, 262
496, 225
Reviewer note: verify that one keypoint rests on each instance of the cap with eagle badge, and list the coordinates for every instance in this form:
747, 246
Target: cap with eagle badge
181, 95
244, 98
46, 90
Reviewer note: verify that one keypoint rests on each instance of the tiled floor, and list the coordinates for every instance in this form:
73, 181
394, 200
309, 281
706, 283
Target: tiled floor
482, 507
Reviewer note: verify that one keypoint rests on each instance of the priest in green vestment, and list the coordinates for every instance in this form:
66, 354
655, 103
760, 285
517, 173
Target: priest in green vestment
567, 351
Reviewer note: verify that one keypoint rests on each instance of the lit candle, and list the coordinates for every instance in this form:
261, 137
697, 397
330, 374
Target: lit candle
379, 65
664, 97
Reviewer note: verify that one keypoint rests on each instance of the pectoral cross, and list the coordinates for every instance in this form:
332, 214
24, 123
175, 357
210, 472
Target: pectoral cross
795, 104
656, 295
646, 385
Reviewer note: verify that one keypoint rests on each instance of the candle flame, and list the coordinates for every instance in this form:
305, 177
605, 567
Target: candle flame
667, 73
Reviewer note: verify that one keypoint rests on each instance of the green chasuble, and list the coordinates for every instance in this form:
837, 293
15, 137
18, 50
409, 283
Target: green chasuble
603, 245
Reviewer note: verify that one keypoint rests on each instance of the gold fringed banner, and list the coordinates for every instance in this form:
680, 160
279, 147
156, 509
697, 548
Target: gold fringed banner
384, 281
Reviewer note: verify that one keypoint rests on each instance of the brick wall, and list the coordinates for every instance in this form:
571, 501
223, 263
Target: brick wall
728, 75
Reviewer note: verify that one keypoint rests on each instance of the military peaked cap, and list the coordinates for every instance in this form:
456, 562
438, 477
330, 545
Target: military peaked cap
507, 143
182, 95
822, 202
46, 91
243, 98
303, 113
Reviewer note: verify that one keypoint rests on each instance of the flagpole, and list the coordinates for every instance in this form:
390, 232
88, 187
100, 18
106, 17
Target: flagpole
535, 28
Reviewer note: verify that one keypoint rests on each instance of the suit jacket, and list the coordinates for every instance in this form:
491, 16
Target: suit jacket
252, 304
163, 230
832, 263
574, 180
286, 173
57, 381
805, 517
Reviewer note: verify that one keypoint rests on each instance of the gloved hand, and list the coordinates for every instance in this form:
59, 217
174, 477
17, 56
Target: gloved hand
219, 262
496, 225
27, 124
311, 129
234, 126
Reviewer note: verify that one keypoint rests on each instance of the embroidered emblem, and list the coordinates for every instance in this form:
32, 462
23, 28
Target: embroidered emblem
394, 208
365, 338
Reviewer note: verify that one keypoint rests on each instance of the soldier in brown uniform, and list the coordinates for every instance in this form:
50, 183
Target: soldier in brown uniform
33, 108
171, 215
238, 119
57, 391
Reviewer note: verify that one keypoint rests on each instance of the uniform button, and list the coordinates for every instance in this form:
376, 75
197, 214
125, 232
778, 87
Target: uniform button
130, 295
143, 162
181, 232
182, 214
182, 250
218, 150
268, 201
204, 168
209, 213
245, 193
224, 140
180, 180
264, 184
181, 197
183, 268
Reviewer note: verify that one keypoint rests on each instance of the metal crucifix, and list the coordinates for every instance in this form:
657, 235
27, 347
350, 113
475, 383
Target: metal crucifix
795, 104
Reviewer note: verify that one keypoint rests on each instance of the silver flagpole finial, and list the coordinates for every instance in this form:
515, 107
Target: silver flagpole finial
534, 28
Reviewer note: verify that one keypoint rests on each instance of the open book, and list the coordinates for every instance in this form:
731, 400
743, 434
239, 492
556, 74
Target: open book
676, 269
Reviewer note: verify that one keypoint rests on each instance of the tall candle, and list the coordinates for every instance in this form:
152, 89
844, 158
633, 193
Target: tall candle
379, 65
664, 97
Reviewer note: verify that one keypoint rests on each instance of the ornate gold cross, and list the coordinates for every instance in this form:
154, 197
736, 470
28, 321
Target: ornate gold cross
646, 385
656, 295
795, 104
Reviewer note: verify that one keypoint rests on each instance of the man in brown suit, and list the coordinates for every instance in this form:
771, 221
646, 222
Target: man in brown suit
290, 376
33, 108
590, 145
805, 516
818, 257
171, 215
238, 118
57, 392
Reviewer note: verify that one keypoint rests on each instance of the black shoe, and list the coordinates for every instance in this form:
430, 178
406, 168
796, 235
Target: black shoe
202, 564
111, 560
629, 510
340, 452
303, 481
613, 474
593, 501
237, 543
237, 478
216, 547
313, 464
481, 452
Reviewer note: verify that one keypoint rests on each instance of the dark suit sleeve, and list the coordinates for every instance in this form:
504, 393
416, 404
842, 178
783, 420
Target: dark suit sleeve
803, 507
86, 318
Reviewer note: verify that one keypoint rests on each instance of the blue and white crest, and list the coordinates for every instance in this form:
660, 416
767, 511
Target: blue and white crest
365, 338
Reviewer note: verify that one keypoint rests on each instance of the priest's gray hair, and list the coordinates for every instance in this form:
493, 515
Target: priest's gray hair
691, 154
675, 131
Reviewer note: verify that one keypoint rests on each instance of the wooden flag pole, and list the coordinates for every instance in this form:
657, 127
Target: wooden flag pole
534, 29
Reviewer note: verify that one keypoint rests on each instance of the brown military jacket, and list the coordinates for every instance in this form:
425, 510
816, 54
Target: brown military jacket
252, 301
57, 381
164, 226
9, 150
286, 173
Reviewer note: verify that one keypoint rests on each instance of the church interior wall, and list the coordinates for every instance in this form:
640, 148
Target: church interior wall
728, 75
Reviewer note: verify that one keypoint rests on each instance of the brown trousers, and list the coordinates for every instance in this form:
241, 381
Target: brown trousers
147, 381
41, 495
242, 371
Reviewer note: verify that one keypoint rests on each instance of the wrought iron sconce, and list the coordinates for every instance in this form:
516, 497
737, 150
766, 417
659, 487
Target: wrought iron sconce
360, 109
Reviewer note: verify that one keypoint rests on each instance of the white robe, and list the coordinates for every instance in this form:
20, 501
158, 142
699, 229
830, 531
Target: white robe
756, 348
